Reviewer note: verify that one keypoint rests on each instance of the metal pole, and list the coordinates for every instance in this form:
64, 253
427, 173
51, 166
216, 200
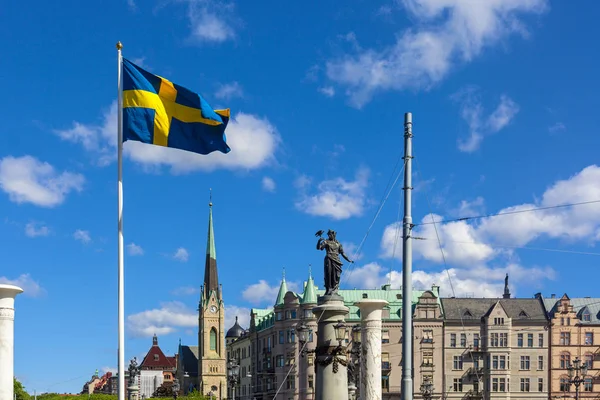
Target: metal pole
121, 290
407, 383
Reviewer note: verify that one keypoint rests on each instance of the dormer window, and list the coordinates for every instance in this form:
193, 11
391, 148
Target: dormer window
468, 314
523, 314
156, 357
586, 316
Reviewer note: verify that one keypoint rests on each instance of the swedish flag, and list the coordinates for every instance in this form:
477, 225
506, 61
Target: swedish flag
157, 111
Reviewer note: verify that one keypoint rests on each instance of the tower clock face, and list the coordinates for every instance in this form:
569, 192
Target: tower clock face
213, 309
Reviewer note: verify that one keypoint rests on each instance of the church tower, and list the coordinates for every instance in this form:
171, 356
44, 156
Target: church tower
212, 364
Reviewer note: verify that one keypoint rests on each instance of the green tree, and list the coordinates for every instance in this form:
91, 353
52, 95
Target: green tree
20, 392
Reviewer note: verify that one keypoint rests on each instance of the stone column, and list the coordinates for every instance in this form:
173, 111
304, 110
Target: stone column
7, 339
370, 357
330, 366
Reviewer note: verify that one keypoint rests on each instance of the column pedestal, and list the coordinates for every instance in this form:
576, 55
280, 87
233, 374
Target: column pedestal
370, 357
330, 360
7, 339
133, 392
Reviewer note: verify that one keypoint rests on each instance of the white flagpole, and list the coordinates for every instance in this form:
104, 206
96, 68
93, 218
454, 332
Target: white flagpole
120, 245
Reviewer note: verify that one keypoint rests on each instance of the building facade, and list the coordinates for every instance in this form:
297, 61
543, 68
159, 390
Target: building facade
495, 348
155, 369
575, 333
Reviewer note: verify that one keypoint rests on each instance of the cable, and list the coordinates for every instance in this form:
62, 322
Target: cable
509, 212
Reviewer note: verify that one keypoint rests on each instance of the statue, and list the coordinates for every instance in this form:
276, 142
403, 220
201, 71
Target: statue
134, 370
332, 262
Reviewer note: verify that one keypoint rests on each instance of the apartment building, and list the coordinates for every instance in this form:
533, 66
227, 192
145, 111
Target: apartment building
495, 348
575, 335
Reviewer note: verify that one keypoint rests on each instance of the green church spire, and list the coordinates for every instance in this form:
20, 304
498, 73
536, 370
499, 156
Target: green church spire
282, 291
310, 292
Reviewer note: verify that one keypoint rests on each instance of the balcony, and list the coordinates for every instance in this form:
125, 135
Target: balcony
386, 367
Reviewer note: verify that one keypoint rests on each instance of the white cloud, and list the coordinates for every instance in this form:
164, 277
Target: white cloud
210, 21
161, 321
185, 291
24, 281
229, 91
557, 127
328, 91
446, 34
253, 141
479, 127
82, 236
471, 208
263, 293
35, 229
181, 254
28, 180
336, 198
268, 184
134, 249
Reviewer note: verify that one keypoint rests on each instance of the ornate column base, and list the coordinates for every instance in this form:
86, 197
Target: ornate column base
331, 360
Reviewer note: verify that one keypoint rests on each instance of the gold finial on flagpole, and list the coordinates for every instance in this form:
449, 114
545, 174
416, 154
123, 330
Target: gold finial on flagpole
119, 45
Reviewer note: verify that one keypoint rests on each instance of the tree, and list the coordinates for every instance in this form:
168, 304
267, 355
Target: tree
20, 393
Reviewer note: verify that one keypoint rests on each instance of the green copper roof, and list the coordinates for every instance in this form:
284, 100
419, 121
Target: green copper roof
282, 291
310, 292
210, 244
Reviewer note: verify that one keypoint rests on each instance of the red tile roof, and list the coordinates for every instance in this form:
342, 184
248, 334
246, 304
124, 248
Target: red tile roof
160, 361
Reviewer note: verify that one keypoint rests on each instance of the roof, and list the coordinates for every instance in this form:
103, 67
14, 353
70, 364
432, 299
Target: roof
188, 357
159, 362
235, 331
282, 291
476, 308
310, 292
211, 275
580, 305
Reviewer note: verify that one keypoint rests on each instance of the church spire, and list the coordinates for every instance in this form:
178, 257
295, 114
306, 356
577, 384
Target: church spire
211, 276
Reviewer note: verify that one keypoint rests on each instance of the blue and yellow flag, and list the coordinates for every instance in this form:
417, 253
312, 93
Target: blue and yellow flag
157, 111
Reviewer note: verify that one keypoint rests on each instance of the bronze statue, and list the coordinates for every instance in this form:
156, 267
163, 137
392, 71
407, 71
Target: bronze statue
134, 370
332, 262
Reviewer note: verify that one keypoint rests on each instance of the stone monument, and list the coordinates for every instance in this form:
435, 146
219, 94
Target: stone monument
133, 387
331, 358
7, 339
370, 359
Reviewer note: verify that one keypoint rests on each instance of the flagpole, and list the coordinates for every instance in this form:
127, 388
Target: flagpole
121, 327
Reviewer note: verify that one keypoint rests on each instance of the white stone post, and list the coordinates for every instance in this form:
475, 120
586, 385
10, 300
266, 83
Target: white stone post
330, 361
370, 355
7, 339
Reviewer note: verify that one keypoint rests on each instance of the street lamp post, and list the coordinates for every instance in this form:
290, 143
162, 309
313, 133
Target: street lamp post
233, 373
577, 372
354, 363
427, 389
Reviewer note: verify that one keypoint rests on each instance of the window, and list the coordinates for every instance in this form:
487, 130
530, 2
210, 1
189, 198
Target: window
310, 359
504, 340
540, 340
502, 384
524, 384
565, 360
291, 358
476, 361
293, 314
565, 338
428, 358
588, 360
587, 385
494, 340
457, 385
520, 340
586, 316
494, 384
463, 340
291, 382
213, 339
279, 316
502, 362
385, 383
428, 336
495, 362
281, 337
385, 361
308, 314
476, 340
311, 381
565, 386
458, 363
385, 336
525, 363
453, 340
279, 361
156, 356
476, 386
530, 340
498, 321
540, 362
568, 321
291, 336
589, 339
562, 321
310, 336
540, 384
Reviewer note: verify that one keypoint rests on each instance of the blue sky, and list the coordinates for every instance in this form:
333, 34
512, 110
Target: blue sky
504, 101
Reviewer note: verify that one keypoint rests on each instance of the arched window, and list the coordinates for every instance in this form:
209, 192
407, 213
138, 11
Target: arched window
588, 359
213, 339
